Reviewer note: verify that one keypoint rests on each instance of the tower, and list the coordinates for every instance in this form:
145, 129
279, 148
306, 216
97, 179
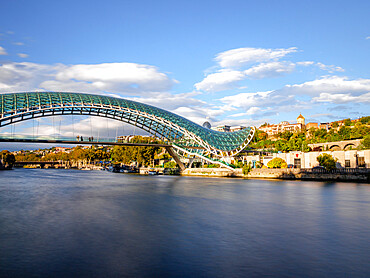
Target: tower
300, 119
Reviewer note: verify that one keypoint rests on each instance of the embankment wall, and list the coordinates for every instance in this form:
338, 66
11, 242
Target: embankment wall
361, 175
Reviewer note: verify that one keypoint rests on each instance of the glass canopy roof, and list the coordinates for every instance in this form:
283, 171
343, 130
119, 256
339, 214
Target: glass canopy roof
155, 120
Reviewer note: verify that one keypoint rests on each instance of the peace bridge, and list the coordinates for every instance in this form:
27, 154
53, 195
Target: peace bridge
187, 138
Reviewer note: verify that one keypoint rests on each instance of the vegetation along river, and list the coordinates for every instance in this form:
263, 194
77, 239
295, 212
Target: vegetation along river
69, 223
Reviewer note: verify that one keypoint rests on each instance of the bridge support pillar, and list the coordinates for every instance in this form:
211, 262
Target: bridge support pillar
176, 157
191, 160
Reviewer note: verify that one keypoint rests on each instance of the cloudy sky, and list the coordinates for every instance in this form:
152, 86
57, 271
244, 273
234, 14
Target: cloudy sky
228, 62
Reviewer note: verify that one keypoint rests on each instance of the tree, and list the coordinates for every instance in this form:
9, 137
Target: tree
365, 120
7, 159
335, 124
78, 154
164, 156
366, 142
345, 132
286, 135
277, 162
347, 122
170, 164
247, 167
327, 161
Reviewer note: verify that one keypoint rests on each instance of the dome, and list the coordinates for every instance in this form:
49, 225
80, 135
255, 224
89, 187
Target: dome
206, 124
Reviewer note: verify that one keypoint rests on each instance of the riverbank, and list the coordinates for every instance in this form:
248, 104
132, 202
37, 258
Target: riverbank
347, 174
359, 175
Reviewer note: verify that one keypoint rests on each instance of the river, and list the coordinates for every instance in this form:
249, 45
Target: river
70, 223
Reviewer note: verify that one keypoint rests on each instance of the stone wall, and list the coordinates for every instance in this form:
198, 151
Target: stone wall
358, 175
211, 172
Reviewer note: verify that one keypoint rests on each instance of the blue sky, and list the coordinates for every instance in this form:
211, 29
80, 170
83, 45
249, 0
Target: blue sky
228, 62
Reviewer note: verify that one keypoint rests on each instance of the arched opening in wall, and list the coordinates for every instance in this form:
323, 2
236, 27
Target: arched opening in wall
349, 147
335, 148
317, 149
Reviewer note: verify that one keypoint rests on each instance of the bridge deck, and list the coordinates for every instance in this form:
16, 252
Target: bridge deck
74, 142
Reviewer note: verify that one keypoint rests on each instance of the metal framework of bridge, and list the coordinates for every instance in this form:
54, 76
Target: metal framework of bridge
185, 136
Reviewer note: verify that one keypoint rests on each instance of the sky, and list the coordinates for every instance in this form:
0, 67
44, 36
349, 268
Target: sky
226, 62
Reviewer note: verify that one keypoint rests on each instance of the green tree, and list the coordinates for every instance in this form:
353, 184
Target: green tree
347, 122
164, 156
170, 164
345, 132
7, 159
366, 142
365, 120
247, 167
335, 124
277, 162
286, 135
327, 161
78, 154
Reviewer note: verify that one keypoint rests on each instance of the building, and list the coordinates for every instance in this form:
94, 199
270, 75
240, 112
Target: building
62, 150
128, 138
300, 119
236, 128
308, 160
326, 126
272, 130
312, 125
223, 128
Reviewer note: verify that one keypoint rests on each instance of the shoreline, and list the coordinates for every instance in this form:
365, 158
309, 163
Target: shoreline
343, 175
357, 175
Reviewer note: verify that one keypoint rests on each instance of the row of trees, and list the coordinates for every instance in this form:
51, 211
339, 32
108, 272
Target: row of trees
287, 142
357, 131
140, 155
77, 153
143, 155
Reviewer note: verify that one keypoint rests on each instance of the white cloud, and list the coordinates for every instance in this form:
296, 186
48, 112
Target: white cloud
243, 56
332, 85
219, 81
342, 98
18, 43
368, 38
22, 55
120, 78
250, 111
247, 100
3, 51
229, 73
24, 76
329, 68
170, 101
117, 77
305, 63
271, 69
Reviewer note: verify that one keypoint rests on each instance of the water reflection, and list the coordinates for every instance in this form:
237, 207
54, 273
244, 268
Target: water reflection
65, 223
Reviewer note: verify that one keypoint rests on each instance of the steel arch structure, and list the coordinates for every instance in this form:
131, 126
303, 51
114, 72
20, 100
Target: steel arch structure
16, 107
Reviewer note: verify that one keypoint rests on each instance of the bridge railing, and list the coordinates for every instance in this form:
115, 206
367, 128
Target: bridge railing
337, 171
57, 137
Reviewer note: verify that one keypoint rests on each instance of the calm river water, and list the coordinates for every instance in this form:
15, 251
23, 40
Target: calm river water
68, 223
